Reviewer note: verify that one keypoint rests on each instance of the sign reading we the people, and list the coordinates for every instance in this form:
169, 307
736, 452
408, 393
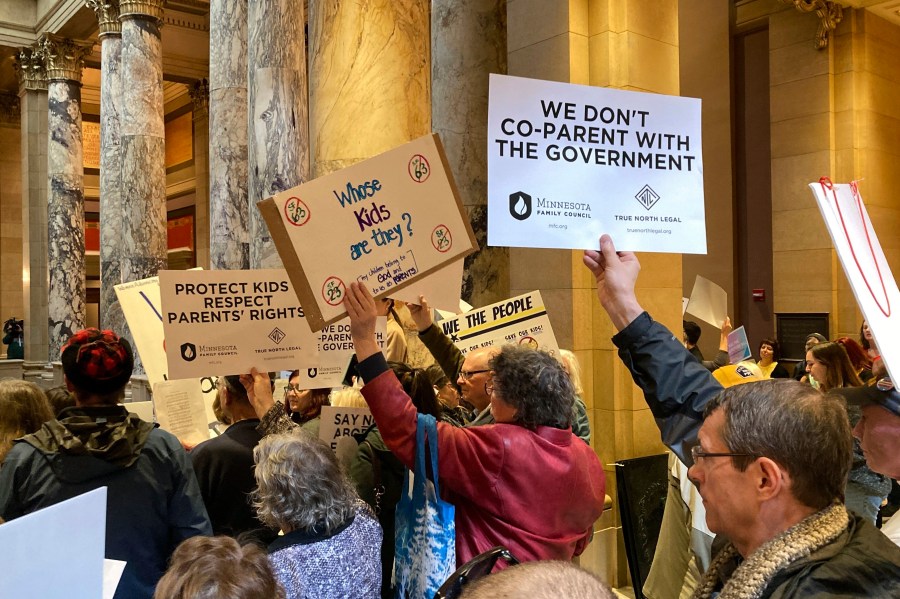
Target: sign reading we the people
221, 322
864, 264
520, 320
383, 222
568, 162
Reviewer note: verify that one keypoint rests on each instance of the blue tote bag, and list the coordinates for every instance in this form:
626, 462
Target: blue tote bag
425, 539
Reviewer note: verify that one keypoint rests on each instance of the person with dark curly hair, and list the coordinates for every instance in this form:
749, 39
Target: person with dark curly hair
525, 482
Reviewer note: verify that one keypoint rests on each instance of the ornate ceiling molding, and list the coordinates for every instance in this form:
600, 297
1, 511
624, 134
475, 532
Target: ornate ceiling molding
829, 13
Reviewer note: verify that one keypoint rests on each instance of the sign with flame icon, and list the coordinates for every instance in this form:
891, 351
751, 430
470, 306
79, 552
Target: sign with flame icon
387, 222
567, 163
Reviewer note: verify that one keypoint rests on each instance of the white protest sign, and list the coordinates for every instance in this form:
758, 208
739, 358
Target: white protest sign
337, 423
383, 222
334, 349
519, 320
864, 264
708, 302
738, 346
141, 306
568, 162
180, 410
70, 539
227, 321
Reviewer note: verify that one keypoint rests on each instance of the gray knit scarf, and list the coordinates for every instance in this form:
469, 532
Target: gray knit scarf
752, 577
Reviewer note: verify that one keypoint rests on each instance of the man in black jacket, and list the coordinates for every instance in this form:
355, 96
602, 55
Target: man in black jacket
770, 460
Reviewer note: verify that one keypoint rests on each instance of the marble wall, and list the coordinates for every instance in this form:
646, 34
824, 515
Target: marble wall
368, 79
278, 133
468, 42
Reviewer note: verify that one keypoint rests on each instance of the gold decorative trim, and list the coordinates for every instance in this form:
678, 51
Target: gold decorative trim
30, 69
152, 9
829, 13
107, 12
63, 58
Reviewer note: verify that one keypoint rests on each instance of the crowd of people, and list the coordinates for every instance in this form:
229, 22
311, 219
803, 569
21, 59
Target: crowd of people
792, 472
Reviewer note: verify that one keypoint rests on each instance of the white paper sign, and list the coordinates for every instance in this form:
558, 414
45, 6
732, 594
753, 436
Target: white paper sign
382, 222
226, 321
56, 551
709, 302
180, 410
338, 423
333, 351
568, 162
142, 309
519, 320
864, 264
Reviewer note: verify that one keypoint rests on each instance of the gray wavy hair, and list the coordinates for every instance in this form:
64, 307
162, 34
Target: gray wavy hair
300, 484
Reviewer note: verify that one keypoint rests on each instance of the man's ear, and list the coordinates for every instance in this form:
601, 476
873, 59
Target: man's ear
69, 386
772, 479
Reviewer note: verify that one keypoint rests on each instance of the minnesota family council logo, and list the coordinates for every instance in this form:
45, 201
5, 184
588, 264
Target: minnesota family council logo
519, 205
188, 352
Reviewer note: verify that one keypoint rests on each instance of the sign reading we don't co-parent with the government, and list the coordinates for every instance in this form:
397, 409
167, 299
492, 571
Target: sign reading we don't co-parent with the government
568, 162
383, 222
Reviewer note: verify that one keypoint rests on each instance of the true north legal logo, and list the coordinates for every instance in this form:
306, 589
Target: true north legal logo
519, 205
277, 335
647, 197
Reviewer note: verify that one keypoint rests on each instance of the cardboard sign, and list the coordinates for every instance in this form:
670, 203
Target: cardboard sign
180, 410
384, 222
738, 346
708, 302
226, 321
864, 264
69, 537
567, 163
334, 350
441, 289
520, 320
338, 423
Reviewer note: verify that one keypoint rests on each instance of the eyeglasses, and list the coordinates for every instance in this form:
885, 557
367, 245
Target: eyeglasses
468, 374
698, 454
288, 388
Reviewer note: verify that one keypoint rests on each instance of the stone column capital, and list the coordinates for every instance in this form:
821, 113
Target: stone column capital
63, 58
30, 69
199, 92
146, 9
107, 12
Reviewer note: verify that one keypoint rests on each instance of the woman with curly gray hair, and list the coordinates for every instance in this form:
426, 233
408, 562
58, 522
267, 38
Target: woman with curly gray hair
332, 541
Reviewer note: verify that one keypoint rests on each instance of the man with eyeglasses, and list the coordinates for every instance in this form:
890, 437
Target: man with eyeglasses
770, 460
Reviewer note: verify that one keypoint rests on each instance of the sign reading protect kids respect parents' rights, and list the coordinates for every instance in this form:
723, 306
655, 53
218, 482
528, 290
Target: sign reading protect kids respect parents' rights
221, 322
567, 163
383, 222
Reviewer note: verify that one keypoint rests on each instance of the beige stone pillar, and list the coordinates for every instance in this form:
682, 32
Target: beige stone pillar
33, 110
626, 45
356, 48
200, 98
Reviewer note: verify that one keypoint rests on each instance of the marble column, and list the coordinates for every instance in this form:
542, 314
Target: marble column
111, 207
33, 110
143, 140
468, 42
277, 108
64, 60
200, 99
369, 78
229, 246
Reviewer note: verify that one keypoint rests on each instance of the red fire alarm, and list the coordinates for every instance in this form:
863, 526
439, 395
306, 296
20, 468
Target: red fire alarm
759, 295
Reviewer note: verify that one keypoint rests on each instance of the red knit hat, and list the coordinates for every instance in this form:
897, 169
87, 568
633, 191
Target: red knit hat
97, 361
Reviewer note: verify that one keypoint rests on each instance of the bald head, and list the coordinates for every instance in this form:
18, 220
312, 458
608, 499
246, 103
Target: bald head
475, 374
539, 580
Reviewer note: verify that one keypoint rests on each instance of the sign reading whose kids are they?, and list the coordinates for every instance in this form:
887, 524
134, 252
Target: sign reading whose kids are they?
520, 320
383, 222
224, 322
567, 163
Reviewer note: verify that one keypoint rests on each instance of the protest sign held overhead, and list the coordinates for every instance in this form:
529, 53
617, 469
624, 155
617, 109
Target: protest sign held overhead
220, 322
568, 162
519, 320
864, 264
141, 306
334, 349
384, 222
